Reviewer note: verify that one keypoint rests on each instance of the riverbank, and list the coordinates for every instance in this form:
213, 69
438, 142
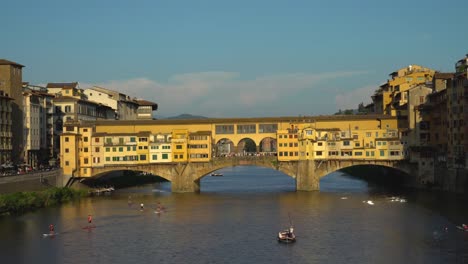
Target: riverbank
21, 202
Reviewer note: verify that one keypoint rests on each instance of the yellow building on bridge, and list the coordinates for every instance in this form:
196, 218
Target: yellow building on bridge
87, 145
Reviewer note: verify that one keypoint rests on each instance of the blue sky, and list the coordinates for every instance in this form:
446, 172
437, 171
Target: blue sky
233, 58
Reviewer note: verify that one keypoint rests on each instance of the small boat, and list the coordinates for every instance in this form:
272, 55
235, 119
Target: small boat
216, 174
287, 236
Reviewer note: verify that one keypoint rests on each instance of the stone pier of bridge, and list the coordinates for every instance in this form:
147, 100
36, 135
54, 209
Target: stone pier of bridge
185, 177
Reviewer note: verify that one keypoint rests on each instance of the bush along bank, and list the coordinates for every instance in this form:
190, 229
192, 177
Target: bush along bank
21, 202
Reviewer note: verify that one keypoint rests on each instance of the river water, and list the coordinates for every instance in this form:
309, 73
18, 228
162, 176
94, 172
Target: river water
235, 219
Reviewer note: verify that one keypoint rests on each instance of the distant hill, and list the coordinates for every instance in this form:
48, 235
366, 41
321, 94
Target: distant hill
187, 116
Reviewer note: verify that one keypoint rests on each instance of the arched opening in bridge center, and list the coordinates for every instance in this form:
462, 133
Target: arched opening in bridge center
123, 179
247, 146
365, 178
268, 146
247, 179
224, 147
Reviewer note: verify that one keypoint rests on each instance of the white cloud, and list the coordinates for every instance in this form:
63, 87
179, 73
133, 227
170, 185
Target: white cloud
351, 99
221, 94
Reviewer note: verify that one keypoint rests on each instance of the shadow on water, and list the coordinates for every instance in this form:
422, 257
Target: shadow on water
386, 181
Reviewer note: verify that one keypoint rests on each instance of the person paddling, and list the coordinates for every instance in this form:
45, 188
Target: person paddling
90, 220
465, 227
51, 229
159, 207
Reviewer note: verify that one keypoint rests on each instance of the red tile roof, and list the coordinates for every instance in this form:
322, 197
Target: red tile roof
7, 62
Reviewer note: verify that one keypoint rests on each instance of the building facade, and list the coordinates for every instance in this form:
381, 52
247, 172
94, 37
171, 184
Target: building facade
86, 145
5, 128
145, 109
11, 83
124, 106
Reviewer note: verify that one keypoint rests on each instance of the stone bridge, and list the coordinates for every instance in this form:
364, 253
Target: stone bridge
185, 177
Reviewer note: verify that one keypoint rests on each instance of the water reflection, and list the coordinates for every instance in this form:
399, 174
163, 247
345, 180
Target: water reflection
235, 218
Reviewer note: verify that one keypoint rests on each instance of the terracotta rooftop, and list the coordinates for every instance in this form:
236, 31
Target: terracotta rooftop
147, 103
62, 85
7, 62
443, 75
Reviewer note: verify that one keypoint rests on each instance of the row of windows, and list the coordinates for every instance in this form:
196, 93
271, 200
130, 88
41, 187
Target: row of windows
288, 136
198, 156
357, 153
198, 146
286, 154
246, 129
162, 147
121, 149
286, 144
198, 137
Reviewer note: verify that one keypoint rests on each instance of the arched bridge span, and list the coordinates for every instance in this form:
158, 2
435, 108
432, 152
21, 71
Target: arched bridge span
185, 177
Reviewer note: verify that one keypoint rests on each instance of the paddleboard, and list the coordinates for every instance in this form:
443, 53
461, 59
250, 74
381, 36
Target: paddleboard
461, 228
50, 234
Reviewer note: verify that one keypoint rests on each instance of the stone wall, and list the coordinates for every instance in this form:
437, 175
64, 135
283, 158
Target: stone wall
37, 181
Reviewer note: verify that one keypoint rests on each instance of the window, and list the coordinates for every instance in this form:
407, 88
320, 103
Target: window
346, 143
66, 150
267, 128
66, 139
178, 146
142, 157
86, 161
96, 149
382, 153
246, 129
96, 140
368, 134
85, 139
120, 149
224, 129
67, 163
155, 156
165, 156
85, 150
318, 153
107, 158
132, 139
107, 149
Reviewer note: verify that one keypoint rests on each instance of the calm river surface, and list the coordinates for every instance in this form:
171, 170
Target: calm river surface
235, 219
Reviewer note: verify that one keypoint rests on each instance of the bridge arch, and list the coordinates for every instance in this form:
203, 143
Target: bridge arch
268, 144
247, 145
381, 174
185, 177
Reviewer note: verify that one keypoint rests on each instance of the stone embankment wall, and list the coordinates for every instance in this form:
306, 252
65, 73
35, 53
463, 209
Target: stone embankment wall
35, 181
452, 180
